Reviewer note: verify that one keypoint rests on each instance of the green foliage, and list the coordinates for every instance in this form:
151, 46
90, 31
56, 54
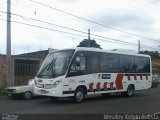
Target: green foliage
85, 43
153, 54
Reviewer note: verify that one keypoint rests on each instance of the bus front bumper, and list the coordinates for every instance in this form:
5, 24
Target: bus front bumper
52, 92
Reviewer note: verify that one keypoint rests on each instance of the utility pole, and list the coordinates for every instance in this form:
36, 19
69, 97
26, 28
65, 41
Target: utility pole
89, 41
139, 46
8, 46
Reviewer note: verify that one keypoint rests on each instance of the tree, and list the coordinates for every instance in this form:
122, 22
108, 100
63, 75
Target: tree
85, 43
153, 54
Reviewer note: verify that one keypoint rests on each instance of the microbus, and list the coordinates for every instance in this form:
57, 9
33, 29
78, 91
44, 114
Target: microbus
87, 71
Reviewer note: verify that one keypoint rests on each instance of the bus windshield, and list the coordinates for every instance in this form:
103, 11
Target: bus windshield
55, 64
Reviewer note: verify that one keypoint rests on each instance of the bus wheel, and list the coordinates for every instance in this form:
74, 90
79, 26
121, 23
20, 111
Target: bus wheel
79, 95
130, 91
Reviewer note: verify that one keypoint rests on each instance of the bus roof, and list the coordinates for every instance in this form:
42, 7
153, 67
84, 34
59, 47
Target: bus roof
110, 51
127, 52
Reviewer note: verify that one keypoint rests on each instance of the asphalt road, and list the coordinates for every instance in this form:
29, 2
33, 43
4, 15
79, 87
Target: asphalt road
146, 101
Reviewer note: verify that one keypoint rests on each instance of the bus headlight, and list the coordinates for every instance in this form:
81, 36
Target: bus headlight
56, 83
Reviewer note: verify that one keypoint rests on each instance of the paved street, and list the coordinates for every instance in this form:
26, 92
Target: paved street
146, 101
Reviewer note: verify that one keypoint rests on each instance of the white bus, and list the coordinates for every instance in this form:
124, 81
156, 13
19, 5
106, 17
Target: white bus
86, 71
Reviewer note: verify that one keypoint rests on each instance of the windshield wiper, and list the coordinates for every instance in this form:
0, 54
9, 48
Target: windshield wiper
49, 65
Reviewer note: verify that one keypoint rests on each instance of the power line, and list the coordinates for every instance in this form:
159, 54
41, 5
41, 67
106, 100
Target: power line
134, 45
57, 30
45, 5
121, 41
114, 40
38, 20
104, 40
44, 28
148, 6
23, 17
144, 9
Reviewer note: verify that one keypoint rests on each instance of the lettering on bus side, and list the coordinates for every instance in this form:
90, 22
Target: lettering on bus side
82, 81
106, 76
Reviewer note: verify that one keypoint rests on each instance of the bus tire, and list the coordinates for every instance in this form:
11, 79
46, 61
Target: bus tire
130, 91
79, 95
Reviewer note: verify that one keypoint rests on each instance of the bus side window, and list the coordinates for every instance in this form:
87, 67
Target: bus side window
79, 63
78, 66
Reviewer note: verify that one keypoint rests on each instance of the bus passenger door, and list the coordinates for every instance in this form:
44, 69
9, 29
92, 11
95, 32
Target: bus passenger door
93, 64
78, 70
85, 70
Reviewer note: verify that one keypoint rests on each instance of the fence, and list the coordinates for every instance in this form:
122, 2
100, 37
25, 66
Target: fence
24, 71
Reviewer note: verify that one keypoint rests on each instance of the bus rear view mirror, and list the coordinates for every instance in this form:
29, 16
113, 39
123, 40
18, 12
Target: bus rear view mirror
78, 61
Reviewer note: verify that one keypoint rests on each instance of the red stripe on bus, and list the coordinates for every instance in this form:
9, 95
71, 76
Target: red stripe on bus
91, 86
105, 85
129, 77
98, 86
141, 78
118, 81
135, 77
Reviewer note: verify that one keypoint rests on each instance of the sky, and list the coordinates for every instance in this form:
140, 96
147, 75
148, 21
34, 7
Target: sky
136, 17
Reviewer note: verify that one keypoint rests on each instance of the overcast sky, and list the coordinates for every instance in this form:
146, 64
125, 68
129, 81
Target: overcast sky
139, 17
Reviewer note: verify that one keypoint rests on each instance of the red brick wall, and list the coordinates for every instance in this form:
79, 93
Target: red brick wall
2, 71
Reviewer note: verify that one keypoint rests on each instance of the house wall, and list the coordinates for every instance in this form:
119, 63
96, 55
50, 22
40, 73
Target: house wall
24, 70
156, 66
19, 80
2, 71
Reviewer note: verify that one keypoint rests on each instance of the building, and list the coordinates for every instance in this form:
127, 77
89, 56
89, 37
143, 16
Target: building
2, 70
156, 66
23, 67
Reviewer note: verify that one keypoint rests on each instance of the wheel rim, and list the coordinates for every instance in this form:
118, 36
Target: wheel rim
130, 91
79, 96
